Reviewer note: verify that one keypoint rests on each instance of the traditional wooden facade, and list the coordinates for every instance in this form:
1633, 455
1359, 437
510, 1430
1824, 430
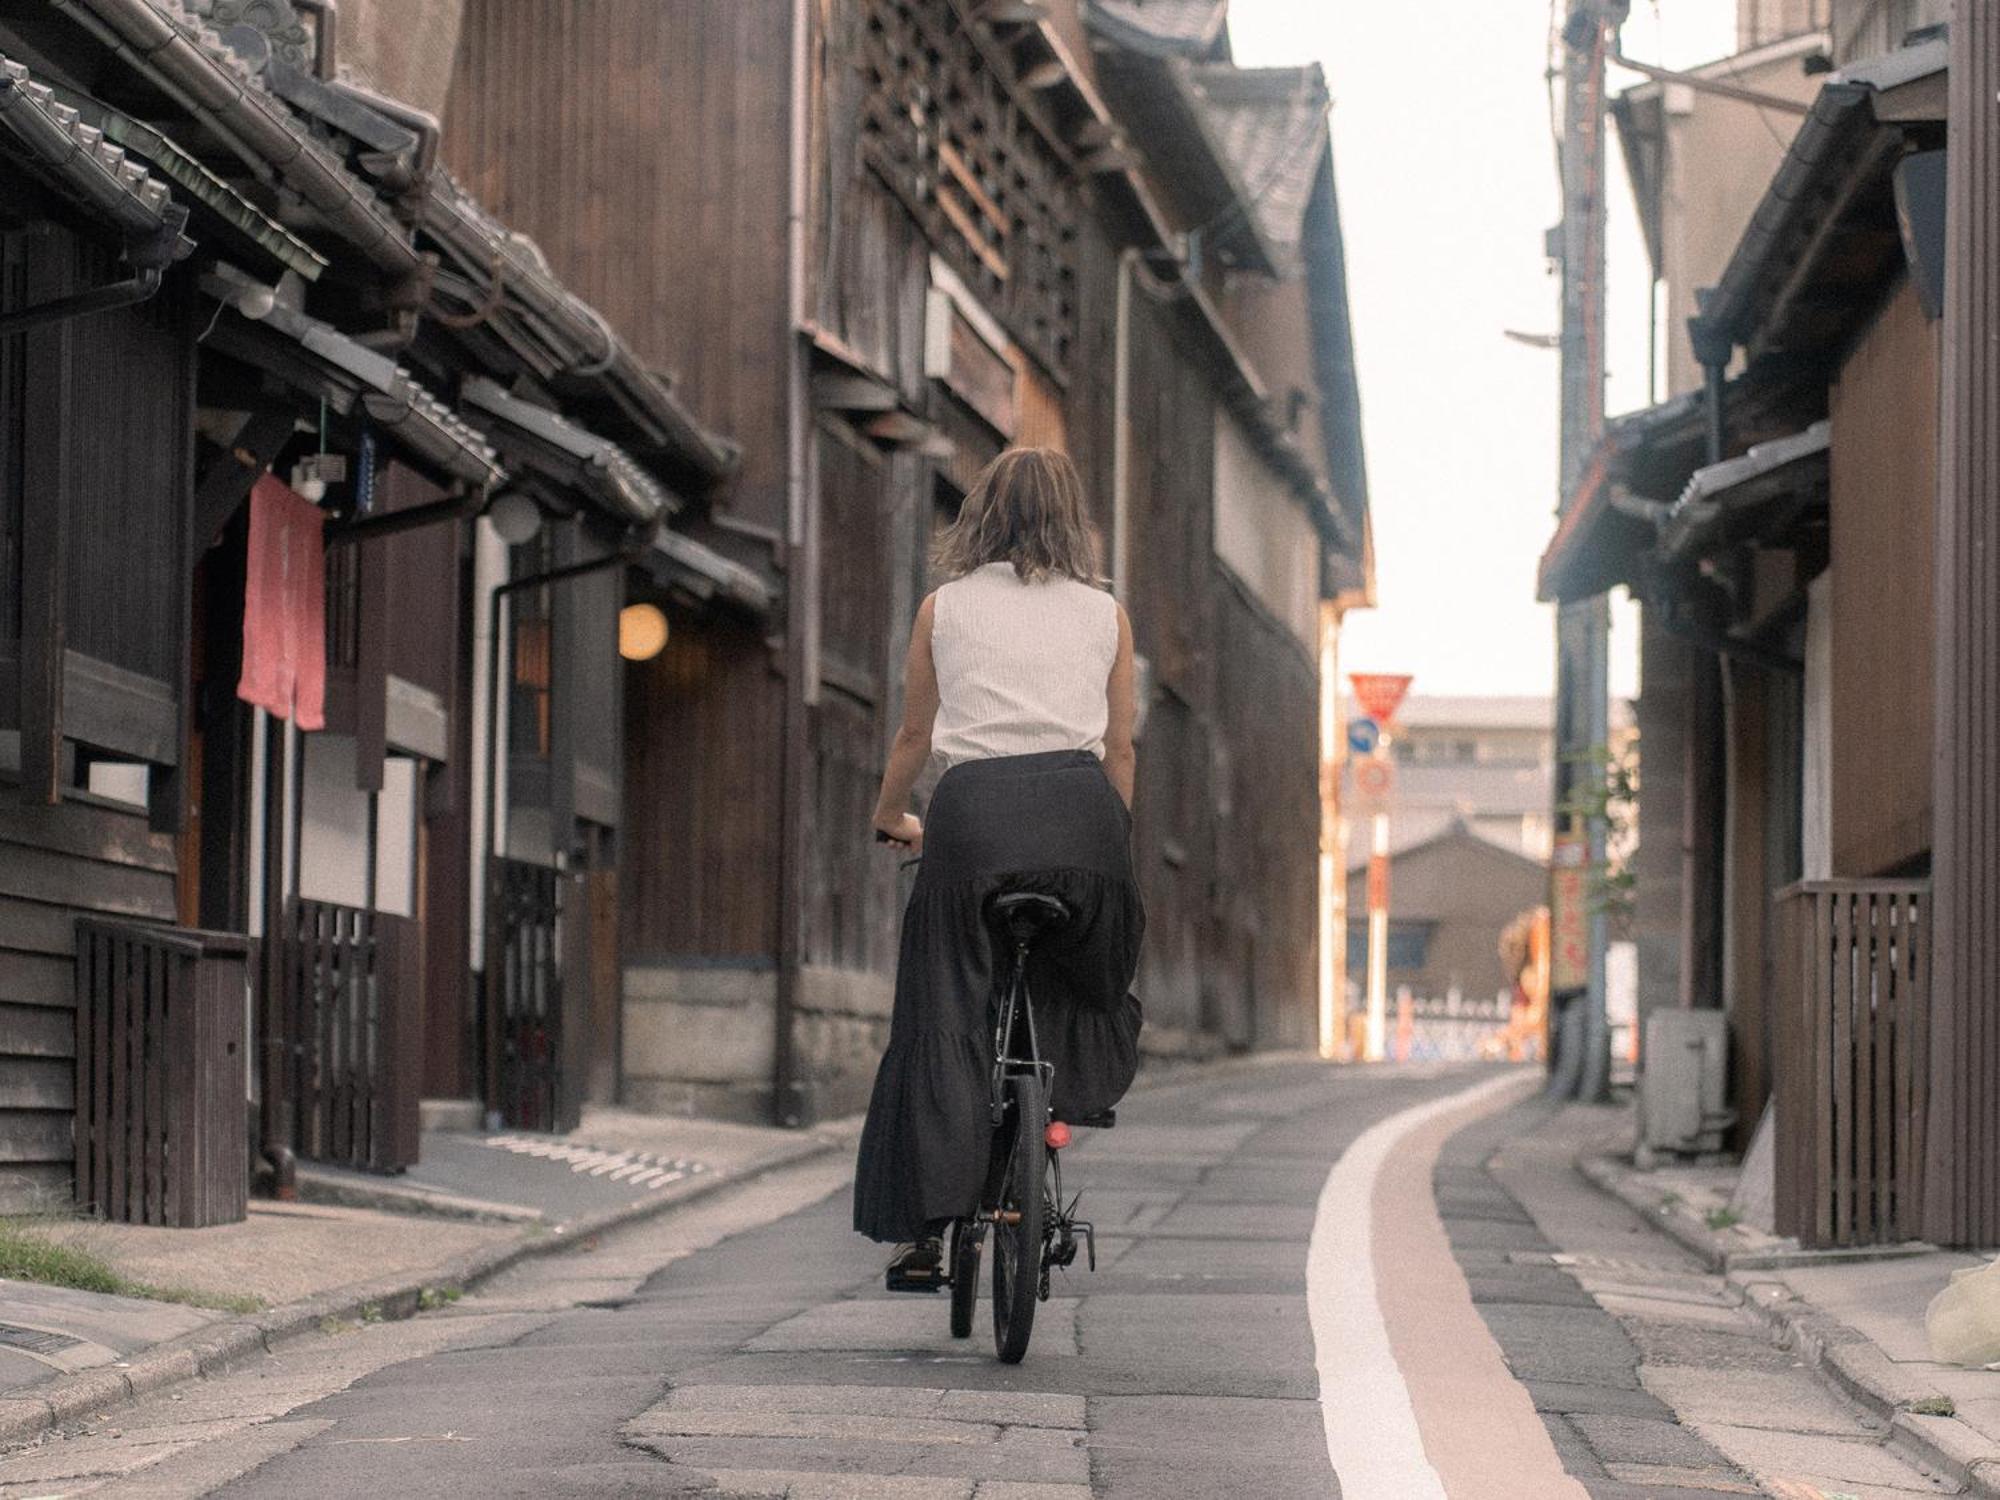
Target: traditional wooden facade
1781, 531
927, 234
196, 304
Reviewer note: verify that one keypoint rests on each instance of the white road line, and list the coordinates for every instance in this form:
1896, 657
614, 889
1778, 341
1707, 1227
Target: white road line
1371, 1427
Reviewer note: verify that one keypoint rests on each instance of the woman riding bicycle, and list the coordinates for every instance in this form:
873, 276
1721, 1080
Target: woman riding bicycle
1019, 678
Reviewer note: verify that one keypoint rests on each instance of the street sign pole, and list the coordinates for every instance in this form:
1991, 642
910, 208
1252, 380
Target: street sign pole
1380, 696
1378, 940
1332, 841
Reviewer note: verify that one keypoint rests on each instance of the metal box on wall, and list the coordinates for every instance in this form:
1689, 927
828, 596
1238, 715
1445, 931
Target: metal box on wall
1683, 1105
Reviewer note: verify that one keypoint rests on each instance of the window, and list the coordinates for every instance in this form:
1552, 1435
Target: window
1409, 947
951, 136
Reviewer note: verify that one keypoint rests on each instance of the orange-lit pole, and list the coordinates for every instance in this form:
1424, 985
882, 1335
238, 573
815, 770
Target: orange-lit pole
1332, 840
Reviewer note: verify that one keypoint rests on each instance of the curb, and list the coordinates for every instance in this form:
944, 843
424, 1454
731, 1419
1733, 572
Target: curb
1917, 1415
31, 1413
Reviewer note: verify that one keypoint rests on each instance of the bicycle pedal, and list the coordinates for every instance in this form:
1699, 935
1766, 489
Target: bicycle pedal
917, 1283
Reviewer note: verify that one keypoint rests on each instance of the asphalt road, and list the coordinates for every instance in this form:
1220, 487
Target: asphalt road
743, 1347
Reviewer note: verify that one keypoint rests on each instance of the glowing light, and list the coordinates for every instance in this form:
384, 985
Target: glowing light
642, 632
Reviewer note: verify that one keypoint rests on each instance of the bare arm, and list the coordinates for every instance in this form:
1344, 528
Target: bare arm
1120, 759
912, 747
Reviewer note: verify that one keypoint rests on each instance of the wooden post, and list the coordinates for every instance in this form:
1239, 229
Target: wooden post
1962, 1183
45, 482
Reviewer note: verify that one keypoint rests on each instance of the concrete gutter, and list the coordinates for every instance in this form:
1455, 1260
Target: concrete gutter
213, 1349
1921, 1419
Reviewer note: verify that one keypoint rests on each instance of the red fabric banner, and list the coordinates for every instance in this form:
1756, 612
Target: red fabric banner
284, 606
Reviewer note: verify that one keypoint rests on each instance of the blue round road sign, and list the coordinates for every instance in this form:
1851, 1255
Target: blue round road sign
1363, 735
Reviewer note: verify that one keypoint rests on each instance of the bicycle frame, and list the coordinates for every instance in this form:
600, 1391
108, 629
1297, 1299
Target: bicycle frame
1015, 1007
1063, 1227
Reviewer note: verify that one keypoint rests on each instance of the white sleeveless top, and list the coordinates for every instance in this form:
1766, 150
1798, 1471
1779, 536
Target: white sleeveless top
1021, 667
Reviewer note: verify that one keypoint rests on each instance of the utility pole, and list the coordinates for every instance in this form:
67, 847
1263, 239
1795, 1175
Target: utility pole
1581, 1054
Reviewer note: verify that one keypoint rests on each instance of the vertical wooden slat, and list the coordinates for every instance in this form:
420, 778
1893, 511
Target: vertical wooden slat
1820, 995
1903, 1023
1785, 1057
1920, 1066
326, 1004
1887, 1063
82, 1132
121, 1063
1840, 996
107, 980
1861, 1041
155, 1058
183, 1119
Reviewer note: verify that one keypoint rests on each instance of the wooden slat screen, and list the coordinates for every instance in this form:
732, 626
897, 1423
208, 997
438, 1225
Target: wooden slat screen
161, 1121
1853, 1060
351, 984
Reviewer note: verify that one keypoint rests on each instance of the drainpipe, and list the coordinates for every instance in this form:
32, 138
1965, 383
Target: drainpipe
149, 258
1121, 430
1712, 347
800, 563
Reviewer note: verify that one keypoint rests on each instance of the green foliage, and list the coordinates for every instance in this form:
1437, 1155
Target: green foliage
1723, 1218
32, 1249
1606, 785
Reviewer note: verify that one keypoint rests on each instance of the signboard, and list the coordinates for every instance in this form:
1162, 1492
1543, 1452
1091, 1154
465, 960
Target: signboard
1378, 694
1373, 781
1363, 735
1569, 916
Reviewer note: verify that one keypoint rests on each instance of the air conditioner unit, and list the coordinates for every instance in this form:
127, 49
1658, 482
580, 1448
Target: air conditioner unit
1681, 1092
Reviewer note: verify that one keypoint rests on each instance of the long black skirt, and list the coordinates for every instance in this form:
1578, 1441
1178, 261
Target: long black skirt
1050, 823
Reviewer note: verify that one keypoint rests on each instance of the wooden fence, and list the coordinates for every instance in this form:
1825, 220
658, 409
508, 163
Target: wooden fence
161, 1074
350, 986
1852, 1060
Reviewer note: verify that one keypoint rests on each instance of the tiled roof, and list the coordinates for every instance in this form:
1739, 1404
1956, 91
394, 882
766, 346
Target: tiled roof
40, 129
1271, 125
1167, 28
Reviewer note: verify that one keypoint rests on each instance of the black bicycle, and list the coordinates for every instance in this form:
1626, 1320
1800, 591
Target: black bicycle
1034, 1228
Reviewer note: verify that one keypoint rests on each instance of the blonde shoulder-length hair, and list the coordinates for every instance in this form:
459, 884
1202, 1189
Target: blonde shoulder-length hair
1025, 509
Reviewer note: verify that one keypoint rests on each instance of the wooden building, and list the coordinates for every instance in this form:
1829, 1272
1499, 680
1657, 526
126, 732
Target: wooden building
265, 369
1455, 891
924, 235
1780, 529
340, 442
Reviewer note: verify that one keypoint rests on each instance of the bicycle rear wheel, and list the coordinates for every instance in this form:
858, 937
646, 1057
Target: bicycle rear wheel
1017, 1237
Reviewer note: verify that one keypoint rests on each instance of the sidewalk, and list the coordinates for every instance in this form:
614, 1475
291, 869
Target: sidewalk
1881, 1418
355, 1248
1856, 1316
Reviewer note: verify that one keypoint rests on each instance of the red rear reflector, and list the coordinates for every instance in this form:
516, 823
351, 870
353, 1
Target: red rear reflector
1057, 1135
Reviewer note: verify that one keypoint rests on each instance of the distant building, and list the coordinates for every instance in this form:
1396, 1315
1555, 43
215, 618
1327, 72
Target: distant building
1470, 831
1488, 763
1452, 893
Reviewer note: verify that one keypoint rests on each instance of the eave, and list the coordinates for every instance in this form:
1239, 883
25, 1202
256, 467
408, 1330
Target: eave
594, 467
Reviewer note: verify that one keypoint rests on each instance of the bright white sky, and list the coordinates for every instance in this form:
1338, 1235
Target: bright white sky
1447, 178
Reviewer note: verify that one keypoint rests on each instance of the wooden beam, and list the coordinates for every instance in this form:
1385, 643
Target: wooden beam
228, 477
45, 475
833, 391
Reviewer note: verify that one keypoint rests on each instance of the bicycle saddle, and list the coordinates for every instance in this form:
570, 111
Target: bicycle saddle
1028, 914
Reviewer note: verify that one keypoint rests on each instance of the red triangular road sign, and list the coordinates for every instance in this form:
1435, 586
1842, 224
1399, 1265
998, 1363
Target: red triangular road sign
1380, 695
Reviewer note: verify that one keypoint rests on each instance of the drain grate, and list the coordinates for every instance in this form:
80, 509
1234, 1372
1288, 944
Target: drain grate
35, 1340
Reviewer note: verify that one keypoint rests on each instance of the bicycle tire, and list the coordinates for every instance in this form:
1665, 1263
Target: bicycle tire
964, 1277
1017, 1246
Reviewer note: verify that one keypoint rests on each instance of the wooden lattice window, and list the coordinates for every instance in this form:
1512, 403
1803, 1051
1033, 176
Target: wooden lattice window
953, 140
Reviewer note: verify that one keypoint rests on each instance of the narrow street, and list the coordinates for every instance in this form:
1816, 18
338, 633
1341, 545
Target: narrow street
742, 1346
